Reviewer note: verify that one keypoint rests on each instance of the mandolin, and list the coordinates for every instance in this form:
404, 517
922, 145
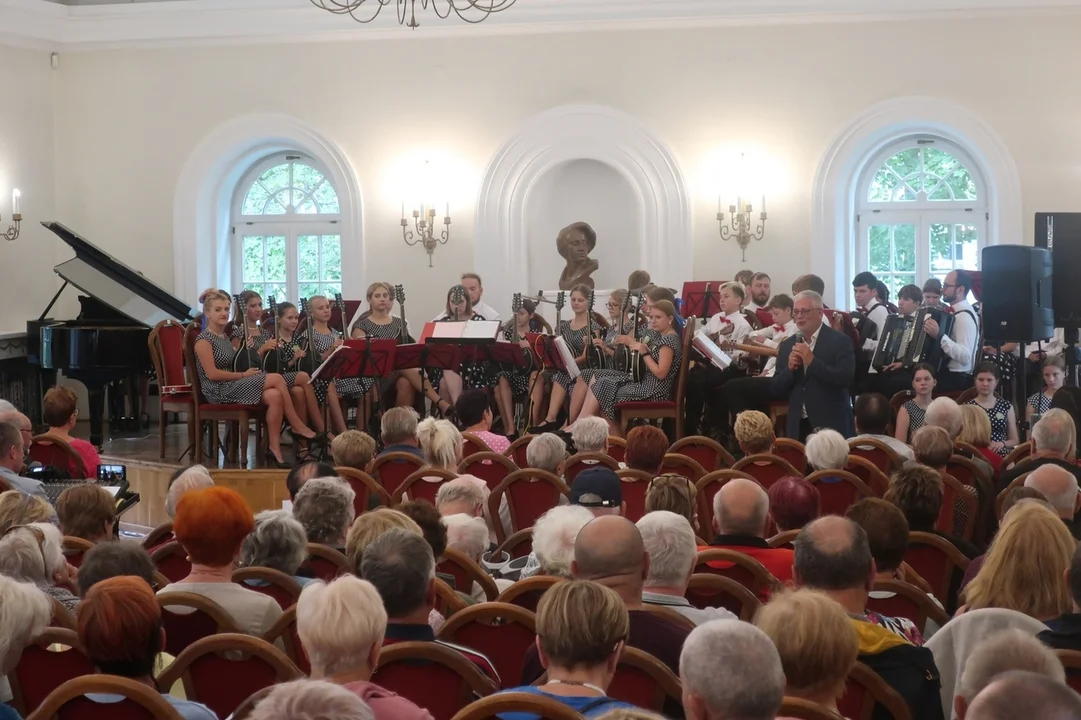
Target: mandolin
311, 359
273, 361
594, 354
515, 336
246, 356
637, 360
403, 330
340, 304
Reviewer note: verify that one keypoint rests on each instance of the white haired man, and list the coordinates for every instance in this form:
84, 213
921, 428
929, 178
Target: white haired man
1020, 694
741, 518
547, 452
827, 450
945, 413
752, 684
1011, 649
553, 541
194, 477
669, 540
1054, 440
1059, 486
590, 435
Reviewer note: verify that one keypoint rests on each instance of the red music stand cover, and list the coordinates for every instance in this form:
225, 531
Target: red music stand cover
697, 302
359, 358
441, 356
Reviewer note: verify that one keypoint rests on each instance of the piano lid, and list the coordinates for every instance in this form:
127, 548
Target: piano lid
105, 278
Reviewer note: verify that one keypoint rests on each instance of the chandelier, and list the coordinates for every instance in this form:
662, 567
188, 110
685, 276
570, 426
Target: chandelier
365, 11
16, 217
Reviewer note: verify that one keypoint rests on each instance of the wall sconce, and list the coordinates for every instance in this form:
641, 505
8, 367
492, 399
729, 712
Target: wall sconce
16, 216
739, 222
423, 232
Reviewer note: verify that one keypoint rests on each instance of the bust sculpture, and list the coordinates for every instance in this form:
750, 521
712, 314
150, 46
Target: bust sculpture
574, 243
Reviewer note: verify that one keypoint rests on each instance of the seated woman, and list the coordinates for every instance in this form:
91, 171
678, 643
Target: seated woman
449, 383
582, 628
646, 448
87, 512
661, 353
1004, 436
473, 412
976, 431
214, 355
514, 382
754, 432
287, 361
793, 502
324, 508
22, 552
326, 340
60, 411
18, 508
277, 542
827, 450
194, 477
312, 699
816, 641
211, 526
576, 334
119, 625
1054, 374
910, 417
674, 493
353, 449
27, 612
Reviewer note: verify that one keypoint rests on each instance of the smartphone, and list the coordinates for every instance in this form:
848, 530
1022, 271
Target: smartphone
112, 474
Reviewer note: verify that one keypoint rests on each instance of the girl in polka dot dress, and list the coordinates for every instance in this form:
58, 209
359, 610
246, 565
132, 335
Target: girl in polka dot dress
513, 382
910, 417
576, 333
999, 410
326, 340
289, 353
214, 355
448, 383
1054, 374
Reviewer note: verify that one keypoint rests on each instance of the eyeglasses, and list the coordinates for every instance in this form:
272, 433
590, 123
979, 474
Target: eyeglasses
800, 312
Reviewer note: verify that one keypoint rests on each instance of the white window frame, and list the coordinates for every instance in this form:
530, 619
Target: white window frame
291, 225
921, 213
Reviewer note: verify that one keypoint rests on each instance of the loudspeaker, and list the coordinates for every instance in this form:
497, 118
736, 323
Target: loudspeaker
1016, 294
1061, 234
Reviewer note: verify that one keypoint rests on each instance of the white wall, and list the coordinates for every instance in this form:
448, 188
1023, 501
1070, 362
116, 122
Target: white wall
126, 121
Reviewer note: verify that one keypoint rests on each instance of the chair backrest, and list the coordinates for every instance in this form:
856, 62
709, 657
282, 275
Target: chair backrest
936, 560
955, 520
74, 549
285, 630
423, 484
501, 631
285, 590
447, 599
1021, 453
365, 488
171, 560
877, 452
391, 469
681, 379
793, 451
325, 562
527, 593
41, 670
517, 545
800, 709
490, 467
530, 493
864, 690
766, 468
683, 465
191, 335
202, 618
159, 536
839, 490
494, 706
224, 670
517, 450
617, 448
670, 615
644, 681
577, 463
54, 451
635, 485
707, 590
705, 451
466, 571
966, 471
965, 396
744, 569
1071, 662
1000, 499
245, 708
870, 473
473, 444
166, 342
908, 601
433, 676
706, 488
69, 701
784, 539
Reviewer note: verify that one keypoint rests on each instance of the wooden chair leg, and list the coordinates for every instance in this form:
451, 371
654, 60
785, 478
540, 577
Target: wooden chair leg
162, 422
242, 433
195, 425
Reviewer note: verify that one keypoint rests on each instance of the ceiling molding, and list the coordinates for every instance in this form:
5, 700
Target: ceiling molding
38, 23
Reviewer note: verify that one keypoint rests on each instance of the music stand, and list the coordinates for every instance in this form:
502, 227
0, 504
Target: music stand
698, 301
504, 353
439, 356
368, 358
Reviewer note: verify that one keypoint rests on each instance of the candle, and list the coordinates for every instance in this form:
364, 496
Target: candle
763, 208
403, 211
15, 196
739, 203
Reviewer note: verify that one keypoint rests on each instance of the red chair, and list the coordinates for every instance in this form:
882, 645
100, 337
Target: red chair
166, 343
517, 450
878, 453
520, 544
1020, 454
617, 448
707, 590
661, 409
744, 569
783, 539
839, 490
472, 444
707, 488
365, 488
682, 465
159, 536
275, 584
766, 468
70, 702
793, 451
705, 451
325, 563
1071, 662
869, 473
959, 508
507, 703
864, 690
41, 671
465, 572
635, 485
203, 617
644, 681
285, 630
433, 676
935, 559
527, 593
171, 560
577, 463
74, 549
222, 671
391, 470
424, 484
501, 631
530, 493
54, 451
490, 467
908, 601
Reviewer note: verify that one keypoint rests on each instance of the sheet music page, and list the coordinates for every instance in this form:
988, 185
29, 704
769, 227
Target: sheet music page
324, 363
711, 350
449, 330
568, 357
481, 330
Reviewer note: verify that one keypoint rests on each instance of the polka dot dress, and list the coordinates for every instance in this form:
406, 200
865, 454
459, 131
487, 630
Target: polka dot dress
917, 416
474, 375
390, 331
575, 342
516, 377
609, 369
345, 387
1039, 403
286, 351
611, 390
245, 391
999, 417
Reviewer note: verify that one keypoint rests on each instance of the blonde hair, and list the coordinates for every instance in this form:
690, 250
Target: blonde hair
375, 286
736, 289
580, 623
210, 295
441, 443
674, 493
975, 426
306, 699
754, 431
666, 307
353, 448
932, 446
18, 508
369, 526
339, 623
1024, 565
815, 639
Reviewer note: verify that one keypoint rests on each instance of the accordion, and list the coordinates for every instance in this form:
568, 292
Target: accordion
894, 339
925, 349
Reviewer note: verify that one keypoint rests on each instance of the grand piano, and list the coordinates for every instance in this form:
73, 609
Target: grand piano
106, 345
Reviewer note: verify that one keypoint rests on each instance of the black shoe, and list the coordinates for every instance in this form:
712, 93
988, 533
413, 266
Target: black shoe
273, 462
544, 427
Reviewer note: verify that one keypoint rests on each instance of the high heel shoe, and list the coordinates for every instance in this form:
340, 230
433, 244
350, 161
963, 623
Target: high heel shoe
547, 426
273, 462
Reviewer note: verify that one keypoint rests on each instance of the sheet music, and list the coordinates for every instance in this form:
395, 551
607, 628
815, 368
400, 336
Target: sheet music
568, 357
481, 330
464, 330
324, 363
711, 350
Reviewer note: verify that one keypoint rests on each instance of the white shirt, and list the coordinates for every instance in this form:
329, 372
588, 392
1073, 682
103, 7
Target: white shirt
960, 346
482, 308
753, 306
811, 343
1052, 347
877, 314
740, 329
896, 445
777, 337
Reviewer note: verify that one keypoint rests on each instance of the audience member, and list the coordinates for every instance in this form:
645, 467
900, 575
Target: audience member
1064, 632
932, 447
353, 449
669, 541
976, 431
108, 560
793, 502
873, 414
11, 463
590, 435
324, 507
945, 413
674, 493
119, 625
474, 412
1000, 653
304, 472
547, 452
469, 536
87, 511
18, 508
1054, 438
917, 490
211, 526
341, 626
754, 432
816, 641
442, 445
827, 450
427, 518
1019, 694
1059, 486
25, 612
60, 411
553, 541
461, 497
278, 542
753, 683
34, 554
646, 447
398, 431
193, 477
26, 428
833, 556
370, 526
741, 518
312, 700
600, 490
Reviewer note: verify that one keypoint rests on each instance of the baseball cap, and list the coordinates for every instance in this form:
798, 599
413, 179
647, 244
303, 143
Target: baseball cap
597, 482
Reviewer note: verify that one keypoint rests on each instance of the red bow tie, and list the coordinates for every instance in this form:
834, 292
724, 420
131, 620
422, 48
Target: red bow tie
779, 328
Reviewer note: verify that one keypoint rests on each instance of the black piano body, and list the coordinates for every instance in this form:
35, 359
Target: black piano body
105, 347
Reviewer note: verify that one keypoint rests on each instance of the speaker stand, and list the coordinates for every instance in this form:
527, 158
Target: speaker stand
1070, 337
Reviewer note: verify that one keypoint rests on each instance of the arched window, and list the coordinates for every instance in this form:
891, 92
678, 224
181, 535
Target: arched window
286, 237
921, 212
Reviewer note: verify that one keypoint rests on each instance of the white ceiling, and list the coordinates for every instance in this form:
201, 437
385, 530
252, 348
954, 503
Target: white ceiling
45, 24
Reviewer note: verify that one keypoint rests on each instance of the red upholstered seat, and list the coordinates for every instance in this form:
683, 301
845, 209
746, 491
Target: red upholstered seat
40, 670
